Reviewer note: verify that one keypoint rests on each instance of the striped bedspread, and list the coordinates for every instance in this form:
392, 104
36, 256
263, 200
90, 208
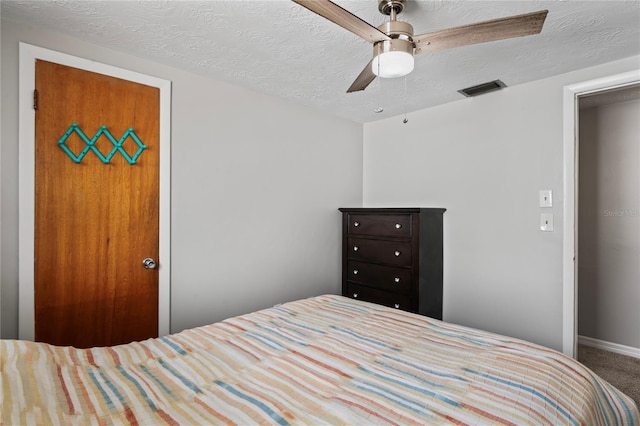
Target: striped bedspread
324, 360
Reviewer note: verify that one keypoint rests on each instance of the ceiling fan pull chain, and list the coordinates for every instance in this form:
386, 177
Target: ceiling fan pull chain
379, 108
406, 120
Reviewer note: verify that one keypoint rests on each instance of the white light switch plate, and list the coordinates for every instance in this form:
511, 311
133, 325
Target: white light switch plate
546, 199
546, 222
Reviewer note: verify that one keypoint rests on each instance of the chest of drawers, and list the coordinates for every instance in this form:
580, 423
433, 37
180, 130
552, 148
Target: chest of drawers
393, 257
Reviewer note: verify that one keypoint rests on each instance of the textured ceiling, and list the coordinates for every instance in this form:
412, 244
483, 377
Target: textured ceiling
279, 48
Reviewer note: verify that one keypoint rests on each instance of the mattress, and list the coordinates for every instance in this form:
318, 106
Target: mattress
322, 360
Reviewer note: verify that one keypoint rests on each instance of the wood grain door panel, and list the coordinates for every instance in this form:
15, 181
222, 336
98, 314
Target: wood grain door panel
95, 222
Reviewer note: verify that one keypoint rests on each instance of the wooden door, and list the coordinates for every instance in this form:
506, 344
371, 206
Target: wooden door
96, 219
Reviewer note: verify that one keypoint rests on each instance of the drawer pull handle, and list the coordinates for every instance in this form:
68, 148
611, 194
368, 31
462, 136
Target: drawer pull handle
397, 305
396, 279
397, 253
398, 225
355, 272
355, 295
355, 248
356, 224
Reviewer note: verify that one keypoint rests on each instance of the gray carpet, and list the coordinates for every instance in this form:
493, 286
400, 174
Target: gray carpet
621, 371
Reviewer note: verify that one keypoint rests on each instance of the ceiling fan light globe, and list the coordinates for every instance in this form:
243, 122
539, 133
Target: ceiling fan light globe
392, 64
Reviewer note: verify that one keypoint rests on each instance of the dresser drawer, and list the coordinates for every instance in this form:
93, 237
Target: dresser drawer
387, 252
383, 225
382, 277
381, 297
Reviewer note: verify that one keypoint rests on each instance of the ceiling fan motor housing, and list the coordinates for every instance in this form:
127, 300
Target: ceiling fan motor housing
393, 45
397, 29
396, 53
401, 34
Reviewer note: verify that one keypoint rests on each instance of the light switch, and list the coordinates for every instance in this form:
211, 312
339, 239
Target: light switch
546, 198
546, 222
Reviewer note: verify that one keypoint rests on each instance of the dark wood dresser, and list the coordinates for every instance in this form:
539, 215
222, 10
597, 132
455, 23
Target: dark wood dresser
393, 257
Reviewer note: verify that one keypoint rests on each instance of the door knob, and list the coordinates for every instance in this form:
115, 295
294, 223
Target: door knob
149, 263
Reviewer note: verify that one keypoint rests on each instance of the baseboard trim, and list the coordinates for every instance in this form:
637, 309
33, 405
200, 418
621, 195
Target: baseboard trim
608, 346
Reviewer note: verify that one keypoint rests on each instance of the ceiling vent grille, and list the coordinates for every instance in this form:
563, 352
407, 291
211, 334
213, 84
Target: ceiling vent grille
483, 88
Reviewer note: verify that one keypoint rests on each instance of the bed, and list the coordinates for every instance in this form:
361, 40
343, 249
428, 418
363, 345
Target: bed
322, 360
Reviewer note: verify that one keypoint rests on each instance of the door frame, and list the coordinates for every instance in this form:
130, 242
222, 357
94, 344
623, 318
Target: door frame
26, 166
570, 209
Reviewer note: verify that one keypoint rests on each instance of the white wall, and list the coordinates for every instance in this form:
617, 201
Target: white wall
609, 223
484, 159
256, 184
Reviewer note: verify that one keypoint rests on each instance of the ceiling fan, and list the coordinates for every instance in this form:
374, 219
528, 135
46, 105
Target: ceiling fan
394, 44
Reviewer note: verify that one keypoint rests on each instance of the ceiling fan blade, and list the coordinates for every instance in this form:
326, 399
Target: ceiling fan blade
481, 32
363, 80
344, 18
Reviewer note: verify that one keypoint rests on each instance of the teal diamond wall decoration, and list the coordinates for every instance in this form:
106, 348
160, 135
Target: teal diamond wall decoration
90, 144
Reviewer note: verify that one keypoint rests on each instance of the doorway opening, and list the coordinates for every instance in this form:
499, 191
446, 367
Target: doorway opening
608, 221
572, 95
